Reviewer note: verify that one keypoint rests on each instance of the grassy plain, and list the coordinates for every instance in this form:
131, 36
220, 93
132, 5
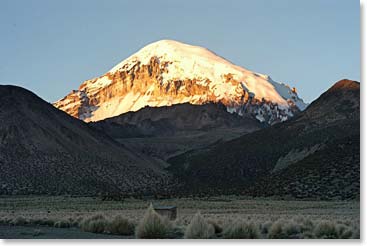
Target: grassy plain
65, 211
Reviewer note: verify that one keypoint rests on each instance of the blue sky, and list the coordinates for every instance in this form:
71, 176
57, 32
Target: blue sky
51, 47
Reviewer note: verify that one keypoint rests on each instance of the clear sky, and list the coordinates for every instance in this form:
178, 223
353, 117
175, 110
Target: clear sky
51, 47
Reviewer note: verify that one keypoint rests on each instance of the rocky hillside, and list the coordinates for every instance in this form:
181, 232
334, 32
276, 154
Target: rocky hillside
46, 151
315, 155
168, 72
165, 131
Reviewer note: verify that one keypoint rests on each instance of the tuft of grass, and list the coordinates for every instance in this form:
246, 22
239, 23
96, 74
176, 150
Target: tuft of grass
290, 229
217, 227
5, 220
266, 227
153, 226
307, 225
199, 228
326, 230
121, 226
241, 230
76, 222
344, 231
96, 224
276, 230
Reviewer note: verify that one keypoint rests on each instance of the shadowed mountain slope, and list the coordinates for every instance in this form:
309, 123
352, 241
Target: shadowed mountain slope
170, 130
314, 155
45, 151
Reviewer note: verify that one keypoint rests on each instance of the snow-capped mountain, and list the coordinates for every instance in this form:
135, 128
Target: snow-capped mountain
169, 72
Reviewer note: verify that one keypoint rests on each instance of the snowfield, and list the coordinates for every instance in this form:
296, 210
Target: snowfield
224, 82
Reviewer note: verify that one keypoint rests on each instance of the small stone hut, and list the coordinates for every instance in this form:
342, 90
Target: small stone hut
168, 211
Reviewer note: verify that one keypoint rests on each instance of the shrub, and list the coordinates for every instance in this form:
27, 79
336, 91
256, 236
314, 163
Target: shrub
241, 230
96, 224
121, 226
153, 226
326, 229
199, 228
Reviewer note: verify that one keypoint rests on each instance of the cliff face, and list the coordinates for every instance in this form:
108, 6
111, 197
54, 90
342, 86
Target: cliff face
167, 73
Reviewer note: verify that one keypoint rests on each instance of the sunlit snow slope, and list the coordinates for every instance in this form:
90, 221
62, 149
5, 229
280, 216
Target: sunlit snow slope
169, 72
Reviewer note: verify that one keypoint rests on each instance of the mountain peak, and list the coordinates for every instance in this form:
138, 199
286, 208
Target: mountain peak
341, 101
169, 72
172, 50
16, 97
345, 84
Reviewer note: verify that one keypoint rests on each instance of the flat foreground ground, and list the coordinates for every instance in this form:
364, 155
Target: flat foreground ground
45, 232
220, 209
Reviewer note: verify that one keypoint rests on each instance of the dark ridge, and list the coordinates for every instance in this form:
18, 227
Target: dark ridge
313, 156
46, 151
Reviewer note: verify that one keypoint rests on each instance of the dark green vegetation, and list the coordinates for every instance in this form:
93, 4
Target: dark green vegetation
314, 155
220, 217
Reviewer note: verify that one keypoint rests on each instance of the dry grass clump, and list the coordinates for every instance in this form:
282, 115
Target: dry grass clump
121, 226
282, 229
293, 230
296, 228
199, 228
217, 226
332, 230
326, 229
76, 221
241, 230
344, 231
265, 227
97, 224
276, 230
305, 228
5, 220
153, 226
